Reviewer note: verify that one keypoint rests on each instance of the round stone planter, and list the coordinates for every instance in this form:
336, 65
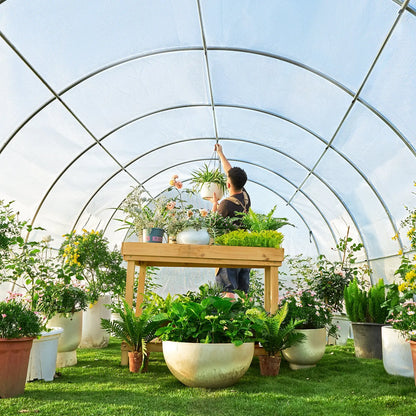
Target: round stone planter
42, 360
367, 340
397, 356
192, 236
207, 365
69, 339
208, 189
307, 353
93, 336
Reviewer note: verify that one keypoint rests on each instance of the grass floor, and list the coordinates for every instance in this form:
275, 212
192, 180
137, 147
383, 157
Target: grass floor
340, 385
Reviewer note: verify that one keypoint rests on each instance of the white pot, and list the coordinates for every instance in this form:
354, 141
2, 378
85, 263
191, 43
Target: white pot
397, 356
344, 330
207, 365
93, 336
42, 360
309, 352
192, 236
69, 339
208, 189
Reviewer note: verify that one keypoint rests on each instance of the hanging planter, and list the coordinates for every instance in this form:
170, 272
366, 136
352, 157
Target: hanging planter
208, 181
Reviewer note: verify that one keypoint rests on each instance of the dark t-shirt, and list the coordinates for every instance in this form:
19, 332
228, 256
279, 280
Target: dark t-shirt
228, 208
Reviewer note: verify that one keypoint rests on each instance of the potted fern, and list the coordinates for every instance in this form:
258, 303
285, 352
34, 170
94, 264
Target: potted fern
207, 181
135, 331
274, 338
368, 313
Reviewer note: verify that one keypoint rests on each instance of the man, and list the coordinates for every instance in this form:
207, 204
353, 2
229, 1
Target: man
238, 201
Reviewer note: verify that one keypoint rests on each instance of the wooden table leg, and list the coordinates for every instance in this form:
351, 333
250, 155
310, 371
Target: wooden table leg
130, 282
274, 289
140, 288
267, 289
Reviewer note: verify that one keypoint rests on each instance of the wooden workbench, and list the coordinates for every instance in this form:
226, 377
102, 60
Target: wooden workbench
185, 255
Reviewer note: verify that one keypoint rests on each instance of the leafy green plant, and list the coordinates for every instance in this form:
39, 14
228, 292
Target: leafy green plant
258, 222
207, 175
91, 260
135, 331
275, 337
264, 238
212, 320
366, 306
18, 321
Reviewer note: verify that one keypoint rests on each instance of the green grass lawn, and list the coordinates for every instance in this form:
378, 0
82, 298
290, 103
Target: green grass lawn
340, 385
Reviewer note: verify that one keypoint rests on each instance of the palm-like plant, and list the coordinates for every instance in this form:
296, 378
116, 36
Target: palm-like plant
274, 337
135, 331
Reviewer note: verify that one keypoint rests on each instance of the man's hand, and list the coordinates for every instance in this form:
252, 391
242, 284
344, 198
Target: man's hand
214, 201
218, 148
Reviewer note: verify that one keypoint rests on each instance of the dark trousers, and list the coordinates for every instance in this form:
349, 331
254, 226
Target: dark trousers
233, 279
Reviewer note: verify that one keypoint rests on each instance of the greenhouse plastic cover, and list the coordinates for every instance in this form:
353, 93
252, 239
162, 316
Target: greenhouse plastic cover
316, 100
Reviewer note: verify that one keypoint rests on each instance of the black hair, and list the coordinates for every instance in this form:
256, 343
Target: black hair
238, 177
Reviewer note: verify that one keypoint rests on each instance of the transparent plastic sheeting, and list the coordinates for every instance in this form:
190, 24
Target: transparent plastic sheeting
315, 100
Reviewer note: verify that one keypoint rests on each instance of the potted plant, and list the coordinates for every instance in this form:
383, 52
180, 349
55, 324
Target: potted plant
101, 270
18, 327
209, 342
316, 317
367, 311
135, 331
395, 336
275, 337
144, 215
207, 181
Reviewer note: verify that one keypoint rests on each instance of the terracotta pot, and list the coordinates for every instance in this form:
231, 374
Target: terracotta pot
269, 364
413, 349
135, 362
14, 360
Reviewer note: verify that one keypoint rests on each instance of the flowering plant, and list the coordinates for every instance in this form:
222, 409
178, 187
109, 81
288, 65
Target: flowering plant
90, 259
304, 305
403, 317
143, 212
18, 321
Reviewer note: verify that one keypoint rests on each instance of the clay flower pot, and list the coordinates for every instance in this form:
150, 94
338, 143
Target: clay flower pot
14, 360
270, 364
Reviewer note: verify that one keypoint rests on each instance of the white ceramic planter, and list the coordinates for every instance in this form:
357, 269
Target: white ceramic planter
207, 365
397, 356
42, 360
93, 336
69, 339
192, 236
344, 330
208, 189
309, 352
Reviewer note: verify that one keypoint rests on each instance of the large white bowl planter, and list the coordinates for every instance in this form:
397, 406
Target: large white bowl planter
397, 356
70, 338
307, 353
42, 360
93, 336
207, 365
